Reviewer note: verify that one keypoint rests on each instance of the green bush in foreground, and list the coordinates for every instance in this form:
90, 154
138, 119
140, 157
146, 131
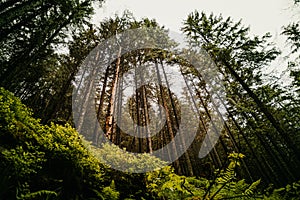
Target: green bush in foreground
165, 184
44, 162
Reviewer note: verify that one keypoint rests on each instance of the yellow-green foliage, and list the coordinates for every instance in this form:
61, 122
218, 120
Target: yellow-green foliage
289, 192
39, 161
130, 185
118, 158
109, 192
165, 184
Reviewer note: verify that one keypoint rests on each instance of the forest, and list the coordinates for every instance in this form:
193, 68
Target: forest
124, 110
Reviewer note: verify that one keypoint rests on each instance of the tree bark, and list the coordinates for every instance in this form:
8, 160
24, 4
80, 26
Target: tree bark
109, 118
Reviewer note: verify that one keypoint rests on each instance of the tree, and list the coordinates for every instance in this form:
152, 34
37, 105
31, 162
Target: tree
240, 59
31, 33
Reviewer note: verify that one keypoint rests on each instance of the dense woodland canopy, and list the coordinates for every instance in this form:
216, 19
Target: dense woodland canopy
43, 46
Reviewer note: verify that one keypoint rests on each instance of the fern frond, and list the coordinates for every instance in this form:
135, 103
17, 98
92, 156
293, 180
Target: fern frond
41, 194
251, 189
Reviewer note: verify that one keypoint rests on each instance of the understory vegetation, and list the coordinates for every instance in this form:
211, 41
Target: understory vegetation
54, 162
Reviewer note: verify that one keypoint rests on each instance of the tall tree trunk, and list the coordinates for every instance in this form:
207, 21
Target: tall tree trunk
216, 160
163, 136
100, 106
119, 111
264, 109
215, 129
109, 118
168, 118
86, 96
137, 106
146, 112
186, 155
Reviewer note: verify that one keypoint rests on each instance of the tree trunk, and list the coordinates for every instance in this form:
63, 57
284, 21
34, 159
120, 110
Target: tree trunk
109, 118
168, 119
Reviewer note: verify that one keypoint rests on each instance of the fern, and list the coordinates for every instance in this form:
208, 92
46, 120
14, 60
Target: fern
42, 194
289, 192
225, 186
250, 191
229, 174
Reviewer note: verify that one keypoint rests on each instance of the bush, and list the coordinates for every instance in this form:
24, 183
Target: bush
38, 162
165, 184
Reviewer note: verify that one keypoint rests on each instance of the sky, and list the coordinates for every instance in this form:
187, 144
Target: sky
261, 15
